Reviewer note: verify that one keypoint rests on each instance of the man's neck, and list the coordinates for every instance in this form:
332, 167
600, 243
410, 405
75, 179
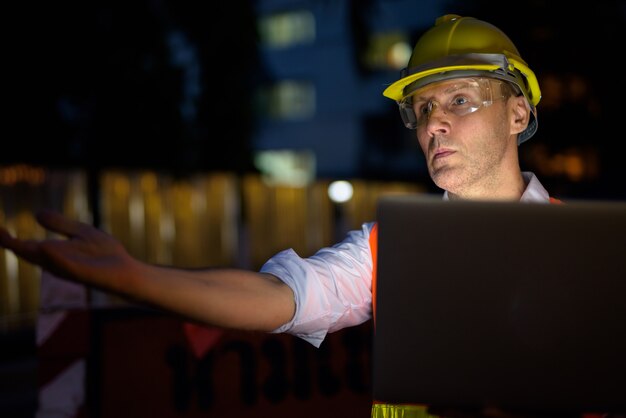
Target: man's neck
511, 189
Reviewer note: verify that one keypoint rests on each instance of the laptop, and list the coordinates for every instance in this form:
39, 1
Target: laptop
508, 305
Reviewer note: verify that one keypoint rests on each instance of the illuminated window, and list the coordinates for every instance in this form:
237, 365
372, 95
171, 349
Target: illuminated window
286, 167
287, 100
388, 51
282, 30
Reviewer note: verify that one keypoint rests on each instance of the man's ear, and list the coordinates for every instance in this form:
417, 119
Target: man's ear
520, 114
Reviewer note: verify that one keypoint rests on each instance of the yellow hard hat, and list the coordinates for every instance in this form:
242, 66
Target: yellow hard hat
467, 47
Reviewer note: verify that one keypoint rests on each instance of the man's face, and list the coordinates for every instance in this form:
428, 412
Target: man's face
467, 141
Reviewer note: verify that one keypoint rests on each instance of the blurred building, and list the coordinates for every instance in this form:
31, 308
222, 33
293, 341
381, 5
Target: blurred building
328, 64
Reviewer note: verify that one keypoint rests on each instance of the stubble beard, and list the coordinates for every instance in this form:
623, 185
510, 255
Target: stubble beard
472, 174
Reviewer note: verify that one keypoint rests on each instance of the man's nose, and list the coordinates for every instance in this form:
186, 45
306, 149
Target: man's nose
436, 120
435, 113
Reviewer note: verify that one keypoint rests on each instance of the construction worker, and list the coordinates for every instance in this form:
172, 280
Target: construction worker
471, 100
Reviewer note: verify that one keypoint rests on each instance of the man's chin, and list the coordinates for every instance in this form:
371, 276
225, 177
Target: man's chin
444, 178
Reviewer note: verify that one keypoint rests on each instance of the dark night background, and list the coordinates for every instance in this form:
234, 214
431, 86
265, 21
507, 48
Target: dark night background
169, 85
96, 84
100, 87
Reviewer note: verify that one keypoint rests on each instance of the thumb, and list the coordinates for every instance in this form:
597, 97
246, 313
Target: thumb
57, 222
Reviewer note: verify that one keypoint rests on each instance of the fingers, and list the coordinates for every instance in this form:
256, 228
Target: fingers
43, 252
56, 222
49, 219
27, 249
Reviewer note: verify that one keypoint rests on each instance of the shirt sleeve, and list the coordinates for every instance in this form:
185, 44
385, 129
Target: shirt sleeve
332, 288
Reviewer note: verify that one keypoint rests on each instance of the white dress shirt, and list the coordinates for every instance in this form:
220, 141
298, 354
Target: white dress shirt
333, 287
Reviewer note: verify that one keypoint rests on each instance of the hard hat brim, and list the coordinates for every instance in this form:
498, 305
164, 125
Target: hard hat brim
475, 64
396, 91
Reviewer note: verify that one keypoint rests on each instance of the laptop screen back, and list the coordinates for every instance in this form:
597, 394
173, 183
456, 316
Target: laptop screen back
513, 305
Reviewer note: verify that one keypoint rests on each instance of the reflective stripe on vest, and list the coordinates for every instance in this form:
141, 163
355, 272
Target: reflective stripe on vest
384, 410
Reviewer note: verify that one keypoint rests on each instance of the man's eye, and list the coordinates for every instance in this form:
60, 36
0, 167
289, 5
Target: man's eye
420, 108
460, 101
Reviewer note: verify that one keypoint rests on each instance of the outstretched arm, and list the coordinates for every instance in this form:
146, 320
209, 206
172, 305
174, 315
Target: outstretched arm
229, 298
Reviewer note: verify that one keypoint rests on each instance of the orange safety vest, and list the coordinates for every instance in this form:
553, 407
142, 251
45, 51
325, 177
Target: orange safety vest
385, 410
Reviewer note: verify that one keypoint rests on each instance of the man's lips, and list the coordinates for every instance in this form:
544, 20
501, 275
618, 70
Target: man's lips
442, 153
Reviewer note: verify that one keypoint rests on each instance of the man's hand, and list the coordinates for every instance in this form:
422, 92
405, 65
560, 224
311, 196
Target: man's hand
87, 254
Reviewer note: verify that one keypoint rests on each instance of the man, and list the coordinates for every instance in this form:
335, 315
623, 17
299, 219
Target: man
471, 99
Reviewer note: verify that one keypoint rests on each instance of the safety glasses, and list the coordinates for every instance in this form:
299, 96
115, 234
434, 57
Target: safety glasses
459, 97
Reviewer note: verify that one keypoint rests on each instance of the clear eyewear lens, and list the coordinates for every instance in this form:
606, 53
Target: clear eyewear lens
459, 99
